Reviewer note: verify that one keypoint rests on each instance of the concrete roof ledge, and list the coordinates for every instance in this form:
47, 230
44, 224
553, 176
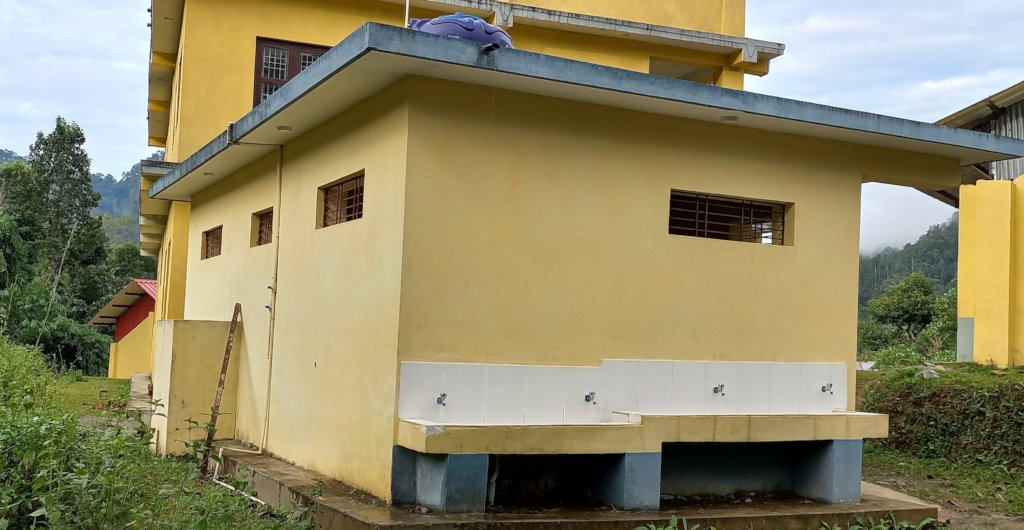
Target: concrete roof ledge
390, 53
507, 12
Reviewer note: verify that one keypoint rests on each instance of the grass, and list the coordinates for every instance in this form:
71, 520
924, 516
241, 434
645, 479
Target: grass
78, 396
940, 481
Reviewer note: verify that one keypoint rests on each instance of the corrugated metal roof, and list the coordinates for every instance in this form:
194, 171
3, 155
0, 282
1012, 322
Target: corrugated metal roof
147, 285
136, 290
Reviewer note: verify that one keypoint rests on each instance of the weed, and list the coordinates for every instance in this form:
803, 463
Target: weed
673, 524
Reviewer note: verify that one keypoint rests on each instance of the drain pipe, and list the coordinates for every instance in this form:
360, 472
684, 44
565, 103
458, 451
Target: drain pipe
273, 294
272, 307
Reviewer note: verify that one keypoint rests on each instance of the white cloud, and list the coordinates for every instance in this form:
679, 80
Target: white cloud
915, 59
86, 61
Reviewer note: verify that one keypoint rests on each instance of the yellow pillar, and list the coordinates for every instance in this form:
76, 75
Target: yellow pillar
993, 218
112, 361
729, 78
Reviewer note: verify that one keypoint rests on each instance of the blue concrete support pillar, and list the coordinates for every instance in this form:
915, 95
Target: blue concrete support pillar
446, 483
830, 472
403, 476
631, 482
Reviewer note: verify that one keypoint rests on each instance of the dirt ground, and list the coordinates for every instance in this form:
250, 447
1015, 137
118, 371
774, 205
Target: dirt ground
961, 513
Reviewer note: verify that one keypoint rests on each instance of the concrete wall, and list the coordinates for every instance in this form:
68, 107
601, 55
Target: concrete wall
213, 79
134, 352
548, 243
187, 365
333, 395
990, 291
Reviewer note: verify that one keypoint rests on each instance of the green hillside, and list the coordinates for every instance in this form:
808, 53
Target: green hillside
934, 254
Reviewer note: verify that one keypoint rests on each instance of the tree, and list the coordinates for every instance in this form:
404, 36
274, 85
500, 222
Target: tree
909, 305
66, 198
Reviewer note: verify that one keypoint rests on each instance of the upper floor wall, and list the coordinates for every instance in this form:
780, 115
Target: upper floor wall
204, 69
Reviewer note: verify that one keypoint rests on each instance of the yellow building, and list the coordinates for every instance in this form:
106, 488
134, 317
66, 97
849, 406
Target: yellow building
130, 313
989, 287
451, 256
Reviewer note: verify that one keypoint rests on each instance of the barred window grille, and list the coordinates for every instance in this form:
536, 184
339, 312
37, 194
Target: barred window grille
279, 61
342, 202
266, 89
308, 59
212, 242
264, 227
728, 218
275, 63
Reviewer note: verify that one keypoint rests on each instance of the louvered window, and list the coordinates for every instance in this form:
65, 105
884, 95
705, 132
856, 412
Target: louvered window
277, 62
728, 218
342, 201
212, 242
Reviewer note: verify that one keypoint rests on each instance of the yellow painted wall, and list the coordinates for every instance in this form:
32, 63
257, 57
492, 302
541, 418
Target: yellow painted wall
188, 362
990, 283
554, 249
213, 81
133, 353
712, 16
172, 264
335, 341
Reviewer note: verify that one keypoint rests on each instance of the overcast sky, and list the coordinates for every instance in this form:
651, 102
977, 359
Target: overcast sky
87, 60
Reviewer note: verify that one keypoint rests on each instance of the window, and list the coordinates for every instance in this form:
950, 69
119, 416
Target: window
277, 62
262, 228
211, 242
729, 218
341, 201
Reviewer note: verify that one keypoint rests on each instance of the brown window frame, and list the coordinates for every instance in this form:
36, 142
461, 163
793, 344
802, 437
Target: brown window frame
213, 242
728, 218
337, 205
262, 228
293, 66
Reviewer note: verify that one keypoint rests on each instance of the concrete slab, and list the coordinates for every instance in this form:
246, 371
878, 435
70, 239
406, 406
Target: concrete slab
343, 507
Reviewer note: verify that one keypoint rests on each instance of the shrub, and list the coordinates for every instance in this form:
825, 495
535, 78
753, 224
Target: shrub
872, 336
896, 356
970, 413
57, 473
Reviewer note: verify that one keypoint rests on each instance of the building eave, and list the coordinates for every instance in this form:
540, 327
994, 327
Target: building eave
152, 212
166, 17
376, 56
981, 112
121, 302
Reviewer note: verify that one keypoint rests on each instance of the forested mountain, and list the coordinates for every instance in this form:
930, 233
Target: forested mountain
119, 199
9, 156
934, 254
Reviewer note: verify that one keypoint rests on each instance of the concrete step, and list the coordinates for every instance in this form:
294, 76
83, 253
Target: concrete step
343, 507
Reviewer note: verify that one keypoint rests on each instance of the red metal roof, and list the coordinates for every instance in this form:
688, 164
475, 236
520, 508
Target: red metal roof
123, 300
147, 285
